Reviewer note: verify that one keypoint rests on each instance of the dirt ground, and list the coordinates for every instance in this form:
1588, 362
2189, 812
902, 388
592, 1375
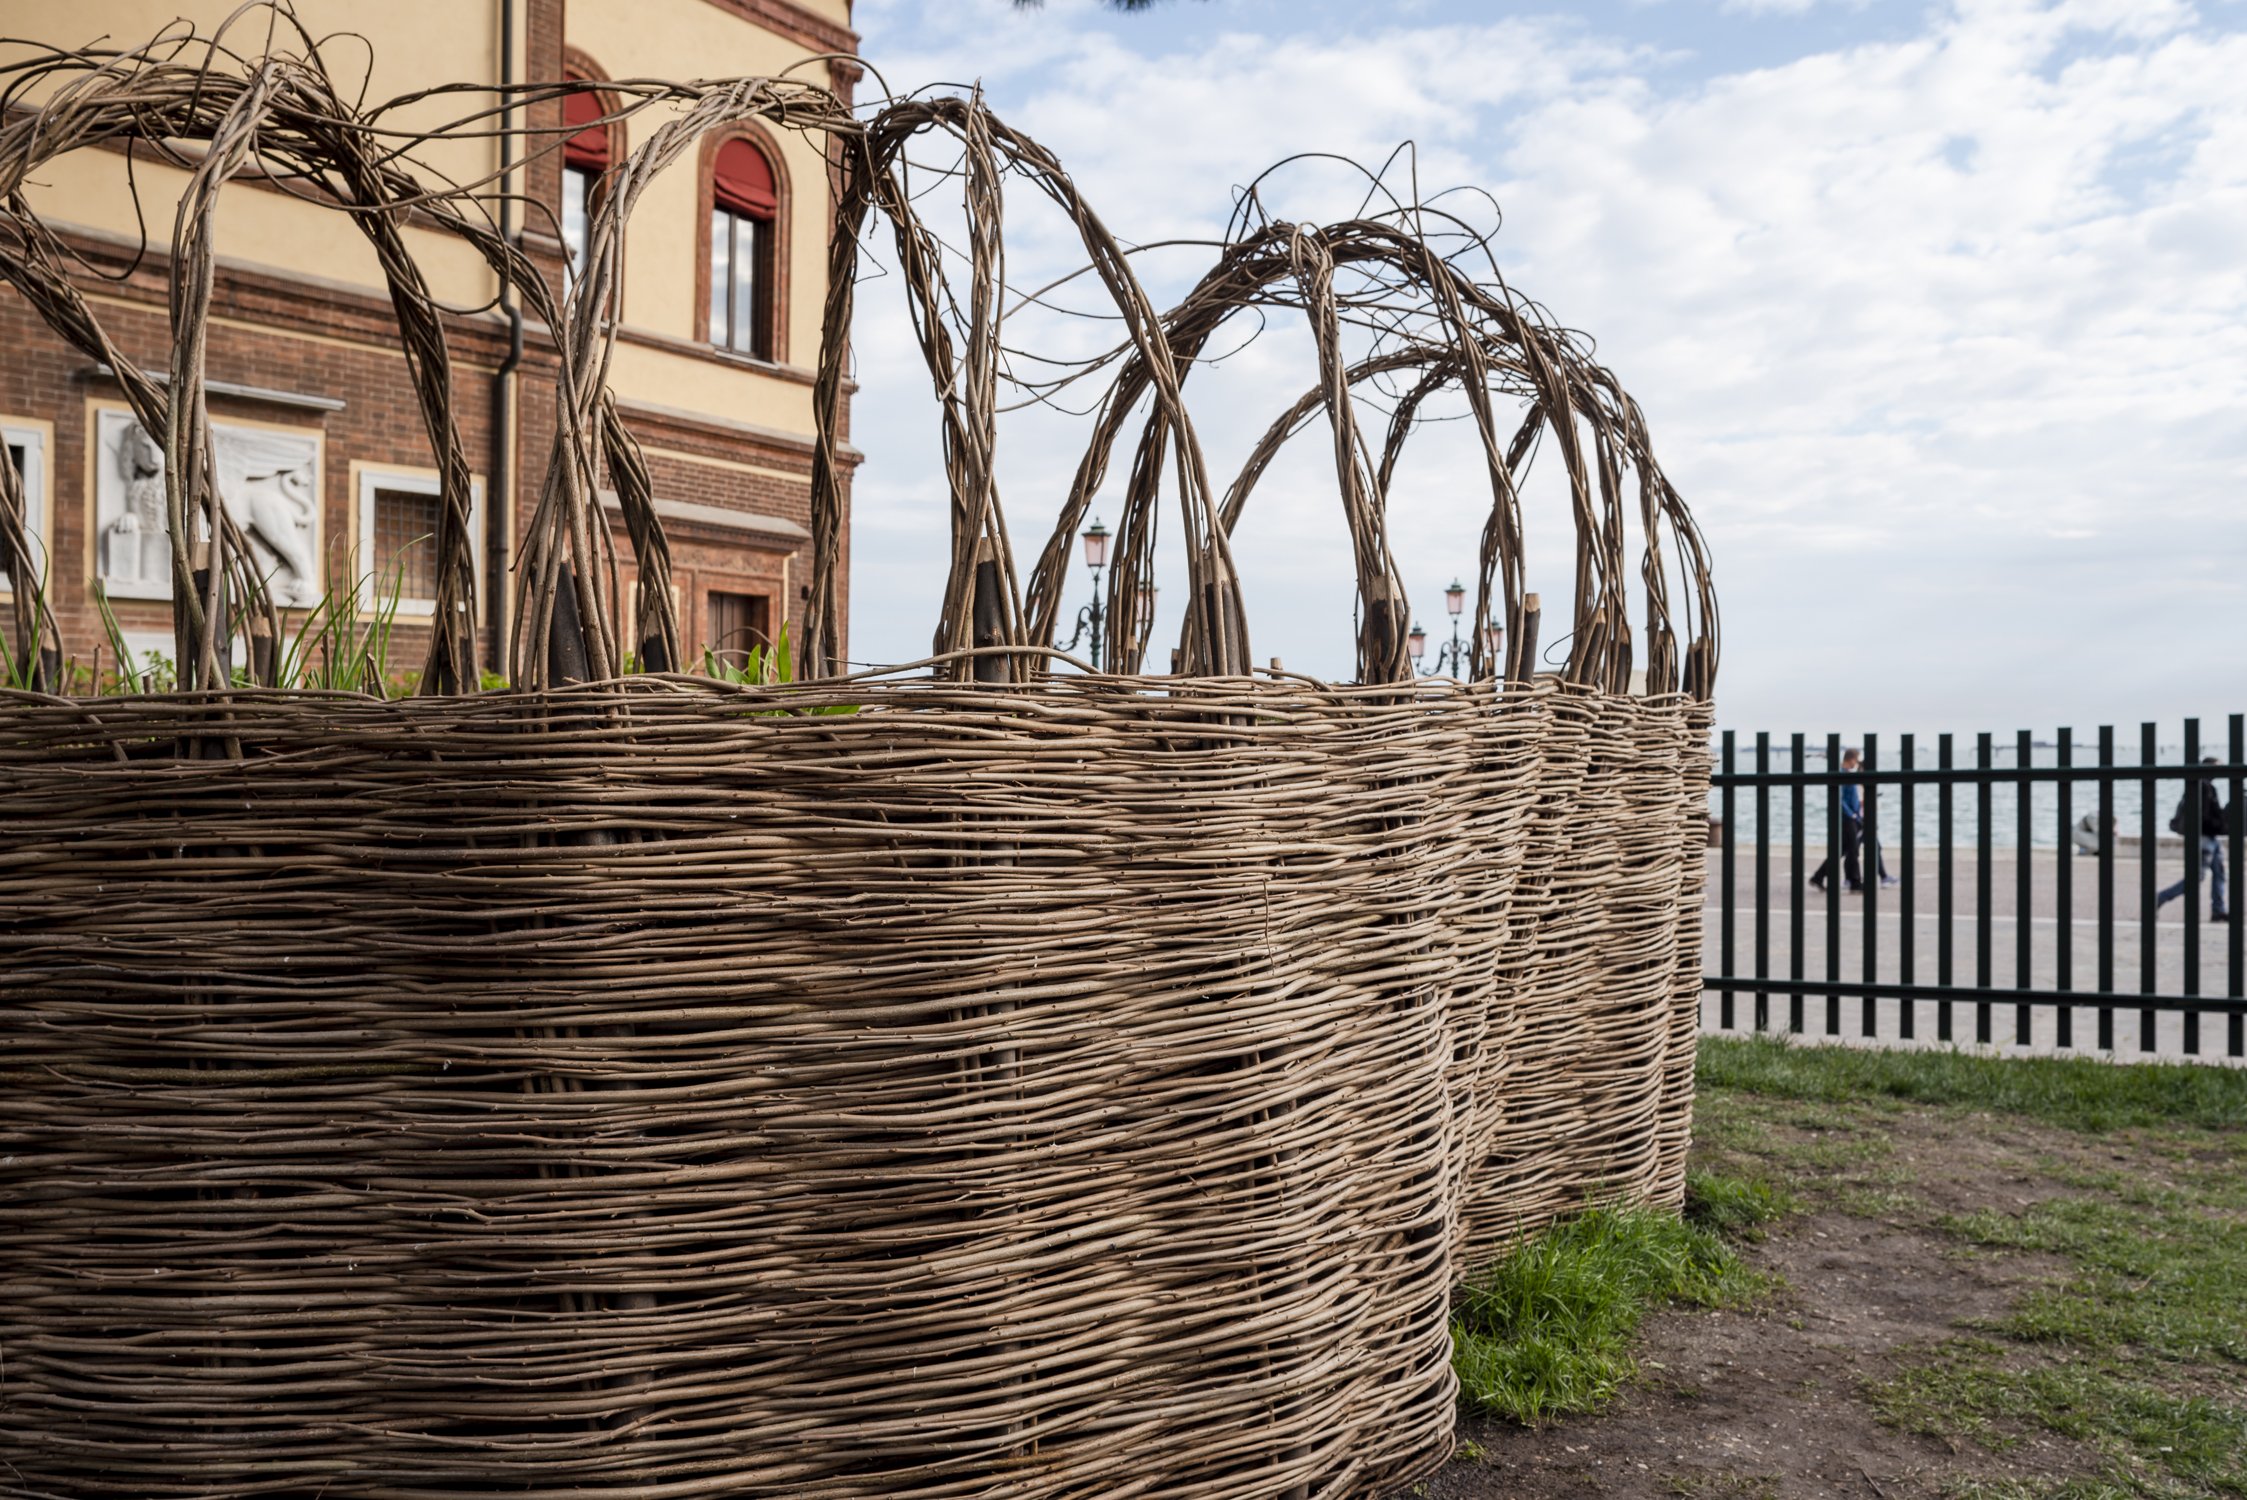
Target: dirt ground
1779, 1400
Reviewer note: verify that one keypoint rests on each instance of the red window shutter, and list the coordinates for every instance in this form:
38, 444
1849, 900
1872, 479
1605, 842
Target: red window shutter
589, 147
744, 181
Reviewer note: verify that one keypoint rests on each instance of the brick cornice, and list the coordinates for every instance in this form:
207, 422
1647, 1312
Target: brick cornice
283, 300
725, 432
648, 338
793, 22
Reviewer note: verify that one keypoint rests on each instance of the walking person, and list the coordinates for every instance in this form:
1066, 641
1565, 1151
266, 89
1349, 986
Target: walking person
1852, 830
2211, 835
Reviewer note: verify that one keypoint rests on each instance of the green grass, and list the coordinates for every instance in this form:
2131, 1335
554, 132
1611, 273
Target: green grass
2136, 1348
766, 667
2078, 1093
2133, 1345
2158, 1270
2156, 1442
1546, 1331
1735, 1206
1841, 1155
342, 644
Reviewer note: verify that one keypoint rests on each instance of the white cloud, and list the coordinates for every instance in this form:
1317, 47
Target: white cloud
1944, 336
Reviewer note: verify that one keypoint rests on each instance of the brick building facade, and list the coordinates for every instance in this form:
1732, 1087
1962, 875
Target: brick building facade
313, 415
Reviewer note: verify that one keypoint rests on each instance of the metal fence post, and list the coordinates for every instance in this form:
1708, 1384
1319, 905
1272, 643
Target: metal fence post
1982, 885
2063, 973
1868, 855
2236, 938
1836, 880
1762, 880
2107, 855
1795, 899
1943, 893
1728, 896
2149, 755
2024, 760
2191, 806
1907, 929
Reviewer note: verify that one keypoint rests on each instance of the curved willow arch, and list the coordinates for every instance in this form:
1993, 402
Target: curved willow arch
870, 178
1437, 367
1249, 274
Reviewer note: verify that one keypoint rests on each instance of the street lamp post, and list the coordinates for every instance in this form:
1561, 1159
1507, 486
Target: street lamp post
1455, 600
1091, 618
1453, 658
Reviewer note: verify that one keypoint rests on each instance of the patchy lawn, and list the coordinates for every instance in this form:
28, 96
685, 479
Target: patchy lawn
1984, 1280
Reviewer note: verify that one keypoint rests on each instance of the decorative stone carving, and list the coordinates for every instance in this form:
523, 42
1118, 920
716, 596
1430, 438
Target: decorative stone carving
269, 481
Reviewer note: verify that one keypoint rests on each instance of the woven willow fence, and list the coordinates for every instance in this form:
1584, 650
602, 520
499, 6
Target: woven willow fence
971, 1080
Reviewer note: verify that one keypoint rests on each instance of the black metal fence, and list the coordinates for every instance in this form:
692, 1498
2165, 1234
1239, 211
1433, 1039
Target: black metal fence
2044, 990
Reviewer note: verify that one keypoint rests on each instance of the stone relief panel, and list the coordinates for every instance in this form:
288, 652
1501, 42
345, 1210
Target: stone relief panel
269, 481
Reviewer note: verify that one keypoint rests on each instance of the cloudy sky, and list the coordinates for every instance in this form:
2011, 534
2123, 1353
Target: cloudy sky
1938, 314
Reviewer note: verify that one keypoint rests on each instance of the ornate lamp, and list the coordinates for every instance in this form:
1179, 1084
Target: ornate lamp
1090, 618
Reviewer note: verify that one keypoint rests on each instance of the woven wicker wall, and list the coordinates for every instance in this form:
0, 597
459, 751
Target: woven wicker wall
980, 1081
984, 1092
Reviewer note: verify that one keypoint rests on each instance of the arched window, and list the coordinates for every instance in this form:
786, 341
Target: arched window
743, 206
584, 158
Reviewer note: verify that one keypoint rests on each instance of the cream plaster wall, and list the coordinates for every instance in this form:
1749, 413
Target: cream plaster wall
406, 41
690, 383
413, 43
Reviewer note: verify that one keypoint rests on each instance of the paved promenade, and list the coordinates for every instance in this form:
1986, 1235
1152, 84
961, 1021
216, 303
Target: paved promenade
2048, 930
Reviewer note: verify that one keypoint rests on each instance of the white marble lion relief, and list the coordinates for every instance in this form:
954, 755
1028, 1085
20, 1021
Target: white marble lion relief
270, 482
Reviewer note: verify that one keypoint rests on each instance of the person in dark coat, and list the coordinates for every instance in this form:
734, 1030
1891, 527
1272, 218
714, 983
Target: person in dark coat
1852, 831
2211, 837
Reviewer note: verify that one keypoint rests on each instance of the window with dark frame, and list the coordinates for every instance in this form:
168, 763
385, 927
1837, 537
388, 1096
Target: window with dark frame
405, 544
20, 458
738, 622
743, 205
584, 158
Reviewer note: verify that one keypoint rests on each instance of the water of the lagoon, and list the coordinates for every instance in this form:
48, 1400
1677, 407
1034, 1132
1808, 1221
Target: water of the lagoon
2044, 797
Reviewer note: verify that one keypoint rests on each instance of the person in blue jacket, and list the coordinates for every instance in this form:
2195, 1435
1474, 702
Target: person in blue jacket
1852, 830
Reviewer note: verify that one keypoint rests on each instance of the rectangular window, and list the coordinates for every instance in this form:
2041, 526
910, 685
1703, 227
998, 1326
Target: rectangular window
19, 459
405, 544
397, 537
738, 622
577, 220
737, 244
27, 455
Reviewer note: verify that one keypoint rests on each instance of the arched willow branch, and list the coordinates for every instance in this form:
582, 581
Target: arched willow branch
870, 178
